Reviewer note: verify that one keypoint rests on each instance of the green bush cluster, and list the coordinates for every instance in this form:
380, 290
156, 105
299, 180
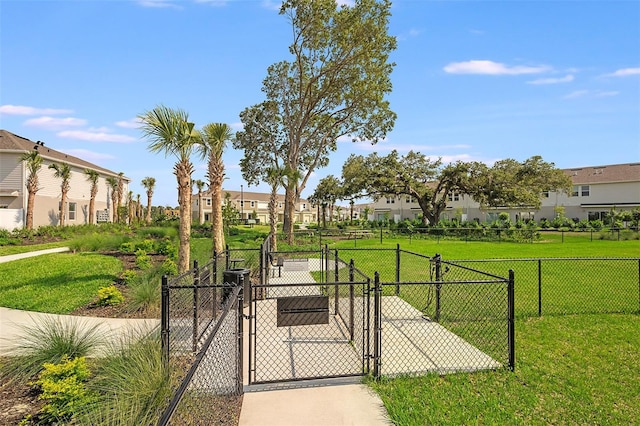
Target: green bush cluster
143, 260
64, 389
109, 296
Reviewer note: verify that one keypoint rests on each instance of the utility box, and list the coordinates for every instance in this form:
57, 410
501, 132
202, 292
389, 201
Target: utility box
237, 276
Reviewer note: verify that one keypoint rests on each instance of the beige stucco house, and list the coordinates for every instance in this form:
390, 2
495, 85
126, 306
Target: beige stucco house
250, 204
596, 191
13, 190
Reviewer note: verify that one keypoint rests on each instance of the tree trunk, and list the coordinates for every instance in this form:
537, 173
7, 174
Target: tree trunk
217, 222
30, 201
273, 218
200, 209
63, 201
289, 212
92, 203
183, 176
149, 208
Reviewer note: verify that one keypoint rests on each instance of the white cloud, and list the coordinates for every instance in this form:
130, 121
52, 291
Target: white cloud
576, 94
95, 136
566, 79
476, 32
213, 2
237, 126
53, 123
27, 110
591, 94
271, 4
492, 68
88, 155
624, 72
132, 123
158, 4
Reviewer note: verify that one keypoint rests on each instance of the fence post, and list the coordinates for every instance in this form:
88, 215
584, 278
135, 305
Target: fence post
336, 290
240, 348
377, 329
196, 288
397, 269
227, 256
164, 323
214, 273
351, 298
512, 329
438, 284
539, 287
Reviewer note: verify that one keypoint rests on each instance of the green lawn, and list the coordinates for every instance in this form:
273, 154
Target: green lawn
570, 370
56, 283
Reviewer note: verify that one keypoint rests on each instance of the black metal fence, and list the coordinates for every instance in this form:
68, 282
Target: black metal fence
558, 286
201, 332
419, 314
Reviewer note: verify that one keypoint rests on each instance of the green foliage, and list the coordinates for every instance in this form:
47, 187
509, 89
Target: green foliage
147, 245
167, 248
169, 267
109, 296
129, 276
143, 260
64, 389
128, 247
49, 341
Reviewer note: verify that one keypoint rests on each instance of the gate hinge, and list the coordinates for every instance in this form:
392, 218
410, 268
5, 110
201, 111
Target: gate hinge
248, 317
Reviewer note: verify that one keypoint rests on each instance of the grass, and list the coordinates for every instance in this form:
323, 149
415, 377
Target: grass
48, 341
8, 250
570, 370
56, 283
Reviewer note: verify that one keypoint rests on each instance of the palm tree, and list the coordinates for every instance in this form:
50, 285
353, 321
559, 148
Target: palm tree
149, 184
214, 139
138, 209
200, 185
33, 162
170, 131
130, 207
62, 171
113, 185
120, 191
92, 177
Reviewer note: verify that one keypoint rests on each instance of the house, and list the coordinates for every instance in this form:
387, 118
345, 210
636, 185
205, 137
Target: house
14, 195
596, 191
254, 205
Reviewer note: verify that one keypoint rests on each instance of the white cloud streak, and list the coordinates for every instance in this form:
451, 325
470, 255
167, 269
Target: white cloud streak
85, 154
591, 94
541, 81
624, 72
54, 123
158, 4
133, 123
95, 136
27, 110
484, 67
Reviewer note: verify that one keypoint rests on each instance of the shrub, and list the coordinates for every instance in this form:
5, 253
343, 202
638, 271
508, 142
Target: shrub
146, 245
128, 276
127, 247
143, 261
63, 387
167, 248
169, 267
109, 296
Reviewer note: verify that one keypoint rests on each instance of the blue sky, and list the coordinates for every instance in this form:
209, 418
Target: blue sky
474, 80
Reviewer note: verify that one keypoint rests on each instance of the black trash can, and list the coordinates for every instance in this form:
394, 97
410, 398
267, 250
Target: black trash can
234, 277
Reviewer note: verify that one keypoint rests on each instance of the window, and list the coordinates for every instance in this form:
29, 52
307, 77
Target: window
545, 194
208, 202
574, 191
391, 200
409, 199
72, 211
304, 206
253, 204
453, 196
279, 205
584, 190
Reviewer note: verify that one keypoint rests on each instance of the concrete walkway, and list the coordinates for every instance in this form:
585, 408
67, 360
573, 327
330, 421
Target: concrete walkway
11, 257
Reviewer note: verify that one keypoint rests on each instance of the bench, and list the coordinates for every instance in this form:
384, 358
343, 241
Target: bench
278, 264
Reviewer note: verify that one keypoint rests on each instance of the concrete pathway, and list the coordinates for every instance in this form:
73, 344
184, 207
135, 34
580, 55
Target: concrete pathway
10, 257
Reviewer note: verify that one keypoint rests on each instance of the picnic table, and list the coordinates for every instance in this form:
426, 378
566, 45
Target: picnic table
360, 233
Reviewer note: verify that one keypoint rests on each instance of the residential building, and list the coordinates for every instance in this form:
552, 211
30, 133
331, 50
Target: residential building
14, 195
254, 205
596, 191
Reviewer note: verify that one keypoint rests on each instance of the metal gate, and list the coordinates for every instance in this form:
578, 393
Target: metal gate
306, 323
